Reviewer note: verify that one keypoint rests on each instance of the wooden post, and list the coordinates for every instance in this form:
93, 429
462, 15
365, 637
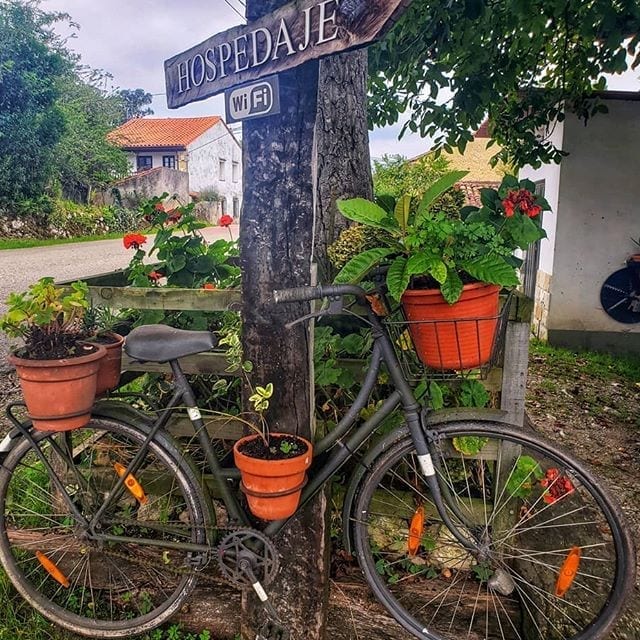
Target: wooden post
275, 245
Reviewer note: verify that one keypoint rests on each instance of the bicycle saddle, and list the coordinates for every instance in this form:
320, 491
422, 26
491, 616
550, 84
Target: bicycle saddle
159, 343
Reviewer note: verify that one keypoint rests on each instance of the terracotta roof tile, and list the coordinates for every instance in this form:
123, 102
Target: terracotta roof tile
146, 133
472, 190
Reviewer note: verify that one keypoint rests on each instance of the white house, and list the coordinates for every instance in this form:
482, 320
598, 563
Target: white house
595, 199
204, 148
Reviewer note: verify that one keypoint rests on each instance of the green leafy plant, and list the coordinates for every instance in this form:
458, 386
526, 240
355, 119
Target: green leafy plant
435, 249
525, 474
184, 257
49, 319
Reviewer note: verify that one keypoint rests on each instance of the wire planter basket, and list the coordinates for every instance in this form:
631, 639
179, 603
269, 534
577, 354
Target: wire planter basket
449, 349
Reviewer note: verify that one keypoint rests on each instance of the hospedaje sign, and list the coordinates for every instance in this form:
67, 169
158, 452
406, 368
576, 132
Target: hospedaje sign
294, 34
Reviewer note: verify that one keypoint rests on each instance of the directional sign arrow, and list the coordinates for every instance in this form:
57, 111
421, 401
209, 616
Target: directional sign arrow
294, 34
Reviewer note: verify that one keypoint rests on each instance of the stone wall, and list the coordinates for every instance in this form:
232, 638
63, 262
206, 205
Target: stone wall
541, 308
147, 184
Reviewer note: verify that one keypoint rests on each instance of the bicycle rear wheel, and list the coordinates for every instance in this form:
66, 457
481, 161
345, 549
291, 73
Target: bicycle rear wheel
552, 559
100, 589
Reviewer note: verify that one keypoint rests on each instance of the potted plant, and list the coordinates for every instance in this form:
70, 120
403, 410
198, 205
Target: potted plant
272, 465
102, 326
447, 269
57, 369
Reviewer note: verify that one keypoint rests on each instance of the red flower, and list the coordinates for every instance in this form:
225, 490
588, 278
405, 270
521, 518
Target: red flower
174, 215
523, 200
154, 276
209, 287
135, 240
556, 485
159, 207
225, 221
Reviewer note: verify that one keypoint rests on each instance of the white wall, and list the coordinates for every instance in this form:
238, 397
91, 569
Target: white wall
597, 216
205, 155
550, 173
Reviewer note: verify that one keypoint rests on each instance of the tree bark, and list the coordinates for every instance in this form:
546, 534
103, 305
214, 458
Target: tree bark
342, 138
275, 252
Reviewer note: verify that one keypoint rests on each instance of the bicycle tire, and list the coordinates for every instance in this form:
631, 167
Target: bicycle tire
116, 589
438, 591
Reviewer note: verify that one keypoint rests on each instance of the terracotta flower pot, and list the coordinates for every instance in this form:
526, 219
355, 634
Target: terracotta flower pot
111, 365
453, 336
59, 394
272, 487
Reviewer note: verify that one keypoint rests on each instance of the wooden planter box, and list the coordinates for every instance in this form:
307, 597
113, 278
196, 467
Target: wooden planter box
111, 290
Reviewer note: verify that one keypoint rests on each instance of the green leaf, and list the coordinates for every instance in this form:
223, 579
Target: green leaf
451, 288
492, 270
397, 278
203, 264
523, 230
436, 190
522, 478
176, 263
353, 344
366, 212
436, 397
469, 445
473, 394
359, 266
402, 210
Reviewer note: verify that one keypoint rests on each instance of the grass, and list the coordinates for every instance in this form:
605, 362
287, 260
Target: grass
599, 365
27, 243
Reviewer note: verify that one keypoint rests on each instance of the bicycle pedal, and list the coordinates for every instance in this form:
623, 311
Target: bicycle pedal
273, 631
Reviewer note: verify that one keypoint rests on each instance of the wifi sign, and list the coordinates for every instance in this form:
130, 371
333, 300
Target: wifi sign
255, 100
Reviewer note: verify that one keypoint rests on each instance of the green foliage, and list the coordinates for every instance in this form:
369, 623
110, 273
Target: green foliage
442, 250
397, 176
32, 65
176, 632
48, 319
134, 104
465, 393
469, 445
522, 63
353, 241
185, 258
77, 220
525, 473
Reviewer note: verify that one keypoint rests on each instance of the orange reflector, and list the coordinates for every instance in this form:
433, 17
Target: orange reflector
415, 531
568, 571
51, 568
132, 484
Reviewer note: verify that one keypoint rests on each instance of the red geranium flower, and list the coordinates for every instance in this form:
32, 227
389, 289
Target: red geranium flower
135, 240
209, 287
154, 276
557, 486
159, 207
523, 200
225, 221
174, 215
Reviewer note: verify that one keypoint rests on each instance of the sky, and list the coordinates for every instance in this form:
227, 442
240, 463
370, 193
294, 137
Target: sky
131, 39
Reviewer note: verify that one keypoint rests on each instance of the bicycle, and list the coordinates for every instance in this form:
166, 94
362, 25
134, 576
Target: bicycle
620, 293
462, 527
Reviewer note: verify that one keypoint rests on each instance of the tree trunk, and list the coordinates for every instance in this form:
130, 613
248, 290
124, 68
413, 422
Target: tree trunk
342, 138
276, 240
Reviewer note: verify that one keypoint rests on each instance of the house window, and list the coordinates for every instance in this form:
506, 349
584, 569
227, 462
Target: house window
223, 169
235, 171
236, 208
169, 162
144, 162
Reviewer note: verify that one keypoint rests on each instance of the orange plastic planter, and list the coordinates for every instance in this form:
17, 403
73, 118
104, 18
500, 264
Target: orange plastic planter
110, 366
453, 336
272, 487
59, 394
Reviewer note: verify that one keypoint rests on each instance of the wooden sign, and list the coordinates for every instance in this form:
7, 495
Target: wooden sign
294, 34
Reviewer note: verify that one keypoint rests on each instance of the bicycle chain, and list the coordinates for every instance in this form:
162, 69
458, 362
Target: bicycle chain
198, 572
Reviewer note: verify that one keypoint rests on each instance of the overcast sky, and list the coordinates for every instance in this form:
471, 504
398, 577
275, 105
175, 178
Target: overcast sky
132, 38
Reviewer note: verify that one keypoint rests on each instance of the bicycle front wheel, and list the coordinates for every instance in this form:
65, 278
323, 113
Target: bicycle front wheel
115, 588
539, 552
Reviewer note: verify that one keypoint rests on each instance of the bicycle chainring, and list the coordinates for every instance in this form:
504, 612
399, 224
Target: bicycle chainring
247, 545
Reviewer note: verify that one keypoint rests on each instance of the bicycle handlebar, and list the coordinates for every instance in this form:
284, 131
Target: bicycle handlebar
304, 294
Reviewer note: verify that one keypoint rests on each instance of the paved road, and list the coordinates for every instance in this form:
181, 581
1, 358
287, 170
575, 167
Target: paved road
21, 267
